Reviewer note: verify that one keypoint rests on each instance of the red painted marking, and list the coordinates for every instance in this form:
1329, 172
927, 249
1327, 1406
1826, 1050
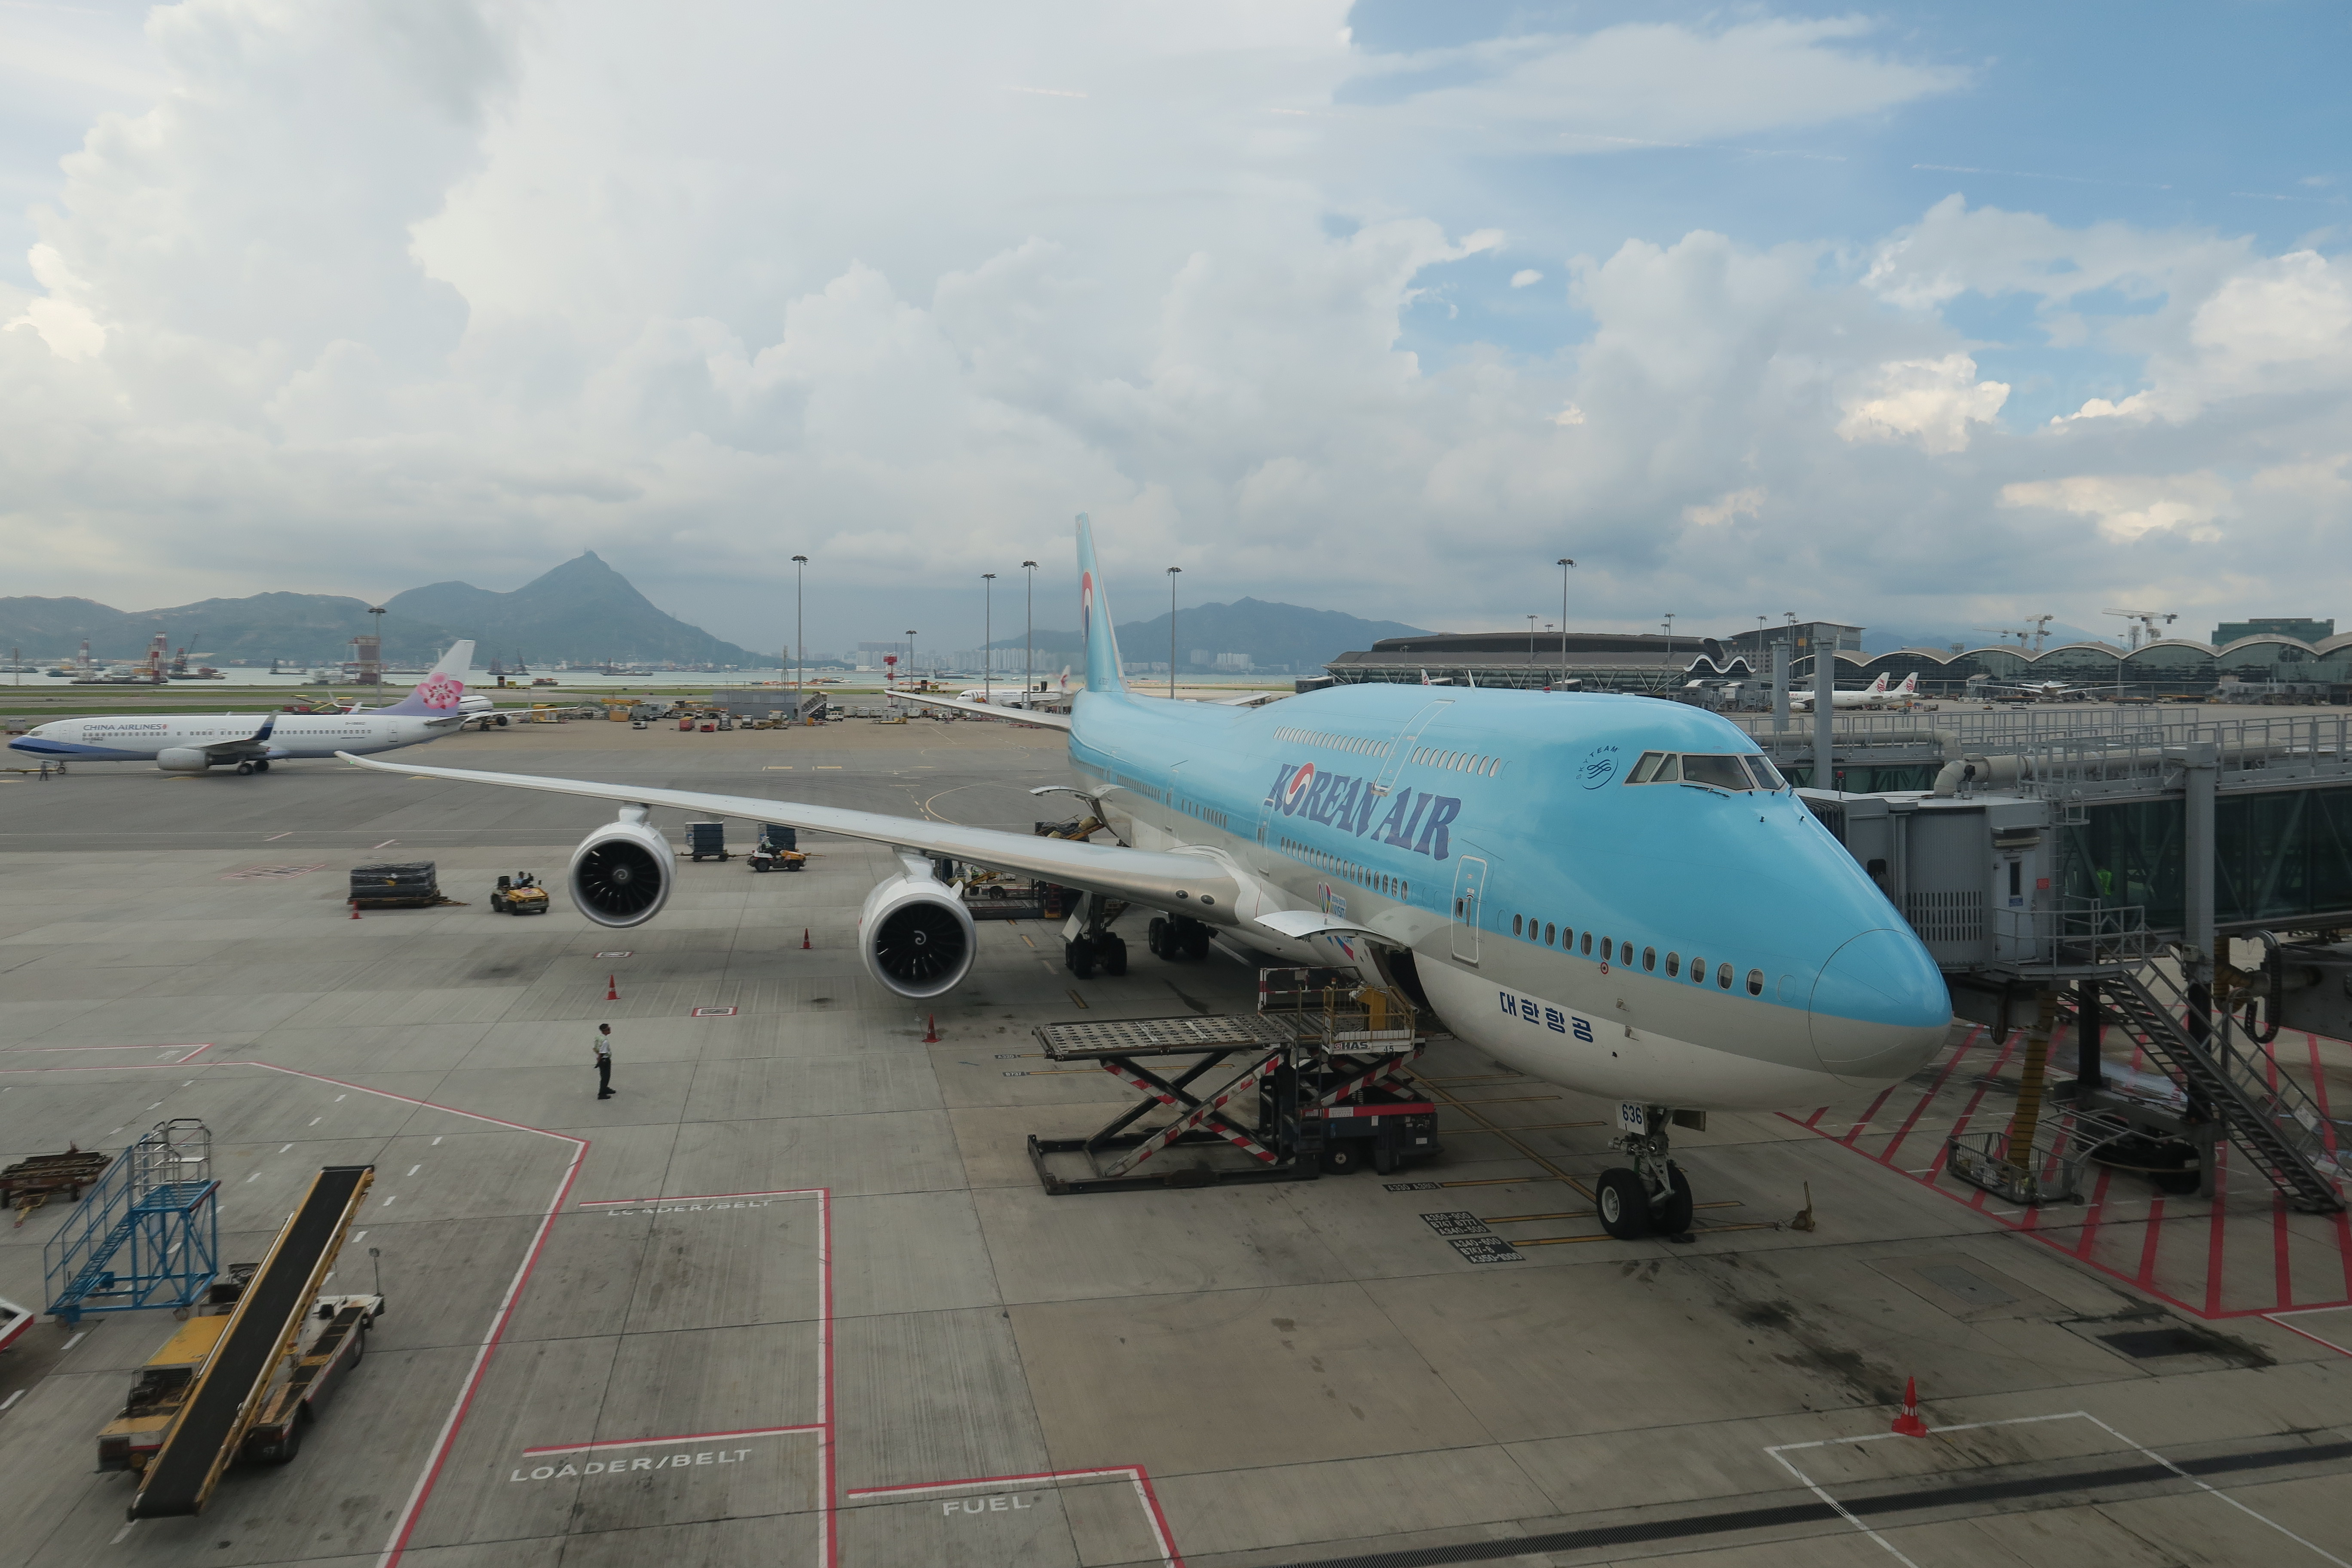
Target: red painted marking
661, 1442
2328, 1132
2097, 1214
1815, 1117
2145, 1279
1887, 1155
1936, 1168
2213, 1249
1855, 1130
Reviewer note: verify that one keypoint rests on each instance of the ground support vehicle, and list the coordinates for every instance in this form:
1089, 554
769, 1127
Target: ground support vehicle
247, 1384
1314, 1083
519, 894
778, 850
706, 838
28, 1184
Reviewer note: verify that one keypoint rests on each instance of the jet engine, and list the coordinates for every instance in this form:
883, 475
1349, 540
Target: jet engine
916, 936
621, 873
184, 760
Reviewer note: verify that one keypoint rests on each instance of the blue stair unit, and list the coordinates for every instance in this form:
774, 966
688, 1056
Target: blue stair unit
147, 1235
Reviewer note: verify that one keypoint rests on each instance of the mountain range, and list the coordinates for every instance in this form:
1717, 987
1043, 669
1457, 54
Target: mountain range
582, 611
1273, 635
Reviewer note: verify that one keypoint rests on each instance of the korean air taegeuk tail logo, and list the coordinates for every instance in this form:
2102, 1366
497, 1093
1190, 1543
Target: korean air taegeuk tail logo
1297, 787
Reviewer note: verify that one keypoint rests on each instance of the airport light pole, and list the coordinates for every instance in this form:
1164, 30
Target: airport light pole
800, 640
1531, 650
910, 653
1563, 564
1172, 573
987, 630
1029, 638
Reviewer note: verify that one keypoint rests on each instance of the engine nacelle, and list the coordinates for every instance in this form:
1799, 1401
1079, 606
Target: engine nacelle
184, 760
916, 936
621, 874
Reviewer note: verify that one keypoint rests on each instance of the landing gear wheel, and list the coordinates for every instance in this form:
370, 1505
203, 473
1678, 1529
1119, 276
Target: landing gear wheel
262, 766
1114, 955
1196, 941
1155, 936
1624, 1207
1080, 955
1673, 1217
243, 769
1341, 1160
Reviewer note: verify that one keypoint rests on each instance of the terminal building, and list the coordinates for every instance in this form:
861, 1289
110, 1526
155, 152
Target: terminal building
2262, 663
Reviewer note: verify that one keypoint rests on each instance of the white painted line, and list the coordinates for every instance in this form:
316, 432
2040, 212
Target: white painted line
340, 1098
120, 1533
391, 1200
316, 1120
276, 836
437, 1141
254, 1177
288, 1146
12, 1399
1780, 1452
2280, 1320
386, 844
357, 1233
414, 1169
76, 1339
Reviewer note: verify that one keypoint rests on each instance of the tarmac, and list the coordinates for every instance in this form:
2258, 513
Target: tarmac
795, 1295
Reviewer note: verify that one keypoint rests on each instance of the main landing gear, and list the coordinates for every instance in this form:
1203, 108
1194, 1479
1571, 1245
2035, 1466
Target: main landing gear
1095, 947
261, 767
1653, 1198
1177, 937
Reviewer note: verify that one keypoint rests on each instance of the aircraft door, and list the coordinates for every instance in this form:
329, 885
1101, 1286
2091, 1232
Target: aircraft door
1469, 890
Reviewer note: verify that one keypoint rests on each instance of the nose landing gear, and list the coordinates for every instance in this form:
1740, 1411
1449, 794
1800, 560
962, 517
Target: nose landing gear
1653, 1198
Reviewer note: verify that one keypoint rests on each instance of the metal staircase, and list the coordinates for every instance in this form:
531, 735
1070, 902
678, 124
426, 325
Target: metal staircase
2235, 1080
147, 1235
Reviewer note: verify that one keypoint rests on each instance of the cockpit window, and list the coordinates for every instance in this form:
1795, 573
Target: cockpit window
1743, 772
1723, 772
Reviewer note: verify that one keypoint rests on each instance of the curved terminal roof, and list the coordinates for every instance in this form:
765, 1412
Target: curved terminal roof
2268, 657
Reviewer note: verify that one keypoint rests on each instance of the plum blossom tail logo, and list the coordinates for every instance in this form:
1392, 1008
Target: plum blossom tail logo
440, 692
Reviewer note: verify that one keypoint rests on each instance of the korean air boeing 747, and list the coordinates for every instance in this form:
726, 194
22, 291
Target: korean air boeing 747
1616, 894
196, 742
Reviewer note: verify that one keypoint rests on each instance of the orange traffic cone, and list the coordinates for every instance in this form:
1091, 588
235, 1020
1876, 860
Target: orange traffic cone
612, 991
1908, 1424
931, 1034
805, 941
355, 908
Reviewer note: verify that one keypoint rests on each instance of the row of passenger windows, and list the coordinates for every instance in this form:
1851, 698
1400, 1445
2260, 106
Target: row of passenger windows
1362, 876
1719, 771
1610, 951
1355, 743
1207, 814
1460, 761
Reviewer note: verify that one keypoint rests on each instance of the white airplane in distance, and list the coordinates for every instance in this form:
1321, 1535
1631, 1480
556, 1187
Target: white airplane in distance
1876, 695
196, 743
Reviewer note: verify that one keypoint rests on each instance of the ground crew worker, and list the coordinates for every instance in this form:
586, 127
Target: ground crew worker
604, 1061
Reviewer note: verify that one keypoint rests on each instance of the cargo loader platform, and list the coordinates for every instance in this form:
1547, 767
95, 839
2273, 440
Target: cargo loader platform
1314, 1083
266, 1327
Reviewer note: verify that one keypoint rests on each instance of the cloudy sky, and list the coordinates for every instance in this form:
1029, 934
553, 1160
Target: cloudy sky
1921, 316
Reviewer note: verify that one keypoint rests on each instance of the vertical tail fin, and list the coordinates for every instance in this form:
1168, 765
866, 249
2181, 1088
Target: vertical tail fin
439, 692
1094, 618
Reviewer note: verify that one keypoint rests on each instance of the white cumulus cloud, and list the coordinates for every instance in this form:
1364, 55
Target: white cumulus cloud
1930, 402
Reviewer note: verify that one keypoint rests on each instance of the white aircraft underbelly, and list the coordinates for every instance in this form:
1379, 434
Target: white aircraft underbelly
1621, 1062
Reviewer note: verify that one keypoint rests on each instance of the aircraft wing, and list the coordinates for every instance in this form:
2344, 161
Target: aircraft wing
1161, 879
252, 748
984, 710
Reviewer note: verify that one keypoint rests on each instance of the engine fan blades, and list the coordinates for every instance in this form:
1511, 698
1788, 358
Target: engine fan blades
919, 943
619, 878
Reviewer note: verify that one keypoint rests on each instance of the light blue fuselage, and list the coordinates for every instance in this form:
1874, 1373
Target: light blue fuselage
1477, 827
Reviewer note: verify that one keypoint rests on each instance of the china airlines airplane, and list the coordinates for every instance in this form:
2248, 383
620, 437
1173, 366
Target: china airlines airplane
194, 743
1615, 894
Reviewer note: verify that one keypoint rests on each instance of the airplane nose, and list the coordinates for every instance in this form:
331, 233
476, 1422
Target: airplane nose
1880, 1009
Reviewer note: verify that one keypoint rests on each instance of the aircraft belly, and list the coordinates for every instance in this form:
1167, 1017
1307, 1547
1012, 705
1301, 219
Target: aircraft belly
1595, 1050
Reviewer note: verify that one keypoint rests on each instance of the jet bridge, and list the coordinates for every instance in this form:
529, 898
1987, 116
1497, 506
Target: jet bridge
264, 1328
